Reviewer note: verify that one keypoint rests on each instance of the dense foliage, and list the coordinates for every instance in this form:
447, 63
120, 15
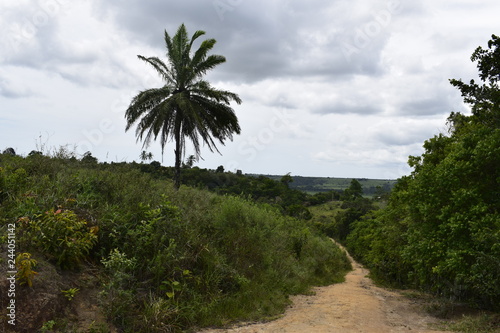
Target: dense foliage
371, 187
167, 259
351, 208
263, 189
441, 229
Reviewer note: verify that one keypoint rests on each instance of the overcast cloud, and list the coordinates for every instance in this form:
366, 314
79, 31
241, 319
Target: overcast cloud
330, 88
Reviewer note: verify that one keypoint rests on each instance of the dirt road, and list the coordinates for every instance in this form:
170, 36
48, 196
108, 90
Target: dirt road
356, 305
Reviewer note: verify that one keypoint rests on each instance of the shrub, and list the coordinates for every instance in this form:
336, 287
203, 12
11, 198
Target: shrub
117, 297
61, 235
25, 273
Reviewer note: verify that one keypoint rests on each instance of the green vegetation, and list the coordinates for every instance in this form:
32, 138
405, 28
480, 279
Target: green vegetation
166, 259
60, 234
486, 323
70, 293
441, 229
317, 185
25, 273
186, 107
278, 193
336, 218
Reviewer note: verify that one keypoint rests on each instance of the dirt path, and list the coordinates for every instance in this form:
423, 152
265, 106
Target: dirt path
356, 305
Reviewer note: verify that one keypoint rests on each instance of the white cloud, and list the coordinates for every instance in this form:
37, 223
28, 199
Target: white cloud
12, 88
363, 84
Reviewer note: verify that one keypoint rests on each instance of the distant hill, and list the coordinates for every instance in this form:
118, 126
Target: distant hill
324, 184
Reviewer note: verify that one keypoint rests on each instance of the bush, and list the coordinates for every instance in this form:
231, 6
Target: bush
118, 297
61, 235
209, 259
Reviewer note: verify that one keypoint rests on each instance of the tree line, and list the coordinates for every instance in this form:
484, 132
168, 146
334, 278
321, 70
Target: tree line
441, 229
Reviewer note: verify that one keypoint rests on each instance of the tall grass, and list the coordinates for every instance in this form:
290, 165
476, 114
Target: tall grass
169, 260
485, 323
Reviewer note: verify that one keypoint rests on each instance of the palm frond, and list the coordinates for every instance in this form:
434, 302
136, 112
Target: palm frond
202, 51
160, 67
203, 88
195, 36
209, 63
143, 102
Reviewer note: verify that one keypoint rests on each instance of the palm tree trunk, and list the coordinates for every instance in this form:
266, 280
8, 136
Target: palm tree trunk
178, 154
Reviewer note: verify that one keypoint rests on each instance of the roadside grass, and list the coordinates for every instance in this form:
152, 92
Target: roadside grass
456, 317
481, 323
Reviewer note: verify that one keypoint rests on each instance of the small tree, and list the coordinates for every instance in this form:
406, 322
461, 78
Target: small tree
286, 179
9, 151
145, 156
354, 191
190, 161
88, 158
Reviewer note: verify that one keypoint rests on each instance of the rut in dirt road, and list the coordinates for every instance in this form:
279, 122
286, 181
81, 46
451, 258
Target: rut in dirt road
355, 305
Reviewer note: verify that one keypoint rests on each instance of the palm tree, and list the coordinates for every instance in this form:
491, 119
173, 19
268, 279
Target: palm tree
145, 156
190, 161
186, 107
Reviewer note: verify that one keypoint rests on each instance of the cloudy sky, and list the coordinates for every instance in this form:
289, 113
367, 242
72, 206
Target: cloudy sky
338, 88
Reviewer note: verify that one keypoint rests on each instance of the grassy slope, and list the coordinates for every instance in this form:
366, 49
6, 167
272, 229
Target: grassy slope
167, 260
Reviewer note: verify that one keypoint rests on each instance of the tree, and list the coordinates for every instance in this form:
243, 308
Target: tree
485, 98
190, 161
88, 158
35, 153
9, 151
354, 191
187, 106
441, 228
286, 180
145, 156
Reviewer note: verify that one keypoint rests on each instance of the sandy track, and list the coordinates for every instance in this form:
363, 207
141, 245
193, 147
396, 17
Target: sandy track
356, 305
